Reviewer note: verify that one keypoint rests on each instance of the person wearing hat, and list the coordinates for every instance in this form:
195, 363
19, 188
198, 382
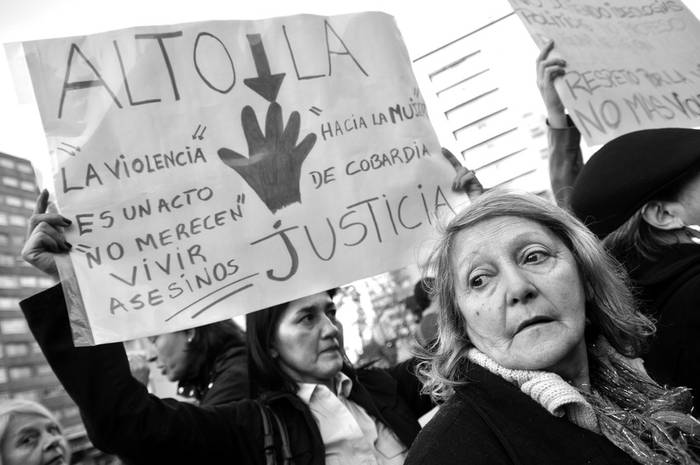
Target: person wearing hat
640, 194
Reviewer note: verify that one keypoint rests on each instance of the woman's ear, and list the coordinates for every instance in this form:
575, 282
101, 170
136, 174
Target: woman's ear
662, 214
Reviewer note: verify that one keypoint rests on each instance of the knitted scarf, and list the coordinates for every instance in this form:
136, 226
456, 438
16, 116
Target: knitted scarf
650, 423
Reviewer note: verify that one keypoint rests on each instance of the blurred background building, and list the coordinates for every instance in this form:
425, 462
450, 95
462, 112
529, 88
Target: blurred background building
24, 372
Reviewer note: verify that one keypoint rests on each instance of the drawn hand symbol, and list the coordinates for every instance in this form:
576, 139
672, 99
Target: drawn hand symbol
273, 167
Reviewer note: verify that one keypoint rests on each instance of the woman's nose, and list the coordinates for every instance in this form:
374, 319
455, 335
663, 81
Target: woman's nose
519, 287
330, 328
51, 441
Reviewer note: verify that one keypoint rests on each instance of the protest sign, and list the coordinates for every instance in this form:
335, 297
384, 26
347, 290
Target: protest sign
631, 64
215, 168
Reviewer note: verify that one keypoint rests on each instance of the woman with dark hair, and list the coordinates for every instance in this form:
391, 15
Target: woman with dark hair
328, 412
209, 363
534, 357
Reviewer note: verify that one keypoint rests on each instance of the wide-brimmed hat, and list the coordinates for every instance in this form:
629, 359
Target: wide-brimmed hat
631, 170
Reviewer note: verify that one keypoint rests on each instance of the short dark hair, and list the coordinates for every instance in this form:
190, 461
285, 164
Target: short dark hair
208, 342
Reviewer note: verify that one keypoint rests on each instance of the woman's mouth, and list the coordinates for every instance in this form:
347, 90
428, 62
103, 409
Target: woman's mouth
532, 322
57, 460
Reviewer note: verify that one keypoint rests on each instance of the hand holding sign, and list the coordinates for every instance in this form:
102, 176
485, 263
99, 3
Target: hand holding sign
548, 69
465, 180
45, 237
273, 168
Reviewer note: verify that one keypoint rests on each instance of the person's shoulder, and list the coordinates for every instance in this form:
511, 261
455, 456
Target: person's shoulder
457, 434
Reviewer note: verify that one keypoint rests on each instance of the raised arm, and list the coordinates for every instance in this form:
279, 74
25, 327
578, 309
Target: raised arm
119, 414
565, 158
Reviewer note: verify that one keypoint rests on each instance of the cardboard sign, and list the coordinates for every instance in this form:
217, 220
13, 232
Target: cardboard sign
631, 65
212, 169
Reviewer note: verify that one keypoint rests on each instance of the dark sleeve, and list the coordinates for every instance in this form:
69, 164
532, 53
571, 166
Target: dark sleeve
457, 435
409, 386
678, 331
565, 161
232, 384
121, 417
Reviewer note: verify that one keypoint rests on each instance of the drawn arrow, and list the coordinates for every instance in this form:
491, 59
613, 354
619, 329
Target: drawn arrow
265, 84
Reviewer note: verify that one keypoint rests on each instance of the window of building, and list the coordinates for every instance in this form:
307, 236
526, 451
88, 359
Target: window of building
45, 282
7, 260
27, 186
3, 375
10, 181
43, 369
25, 168
35, 347
8, 282
16, 350
3, 219
28, 281
34, 395
4, 239
18, 220
17, 373
28, 204
14, 326
70, 412
18, 241
13, 201
5, 163
9, 303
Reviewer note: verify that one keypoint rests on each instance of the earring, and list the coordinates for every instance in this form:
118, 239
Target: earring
693, 231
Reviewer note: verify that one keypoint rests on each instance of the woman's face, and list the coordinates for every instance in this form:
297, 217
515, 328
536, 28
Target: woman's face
521, 295
33, 439
171, 351
689, 198
307, 341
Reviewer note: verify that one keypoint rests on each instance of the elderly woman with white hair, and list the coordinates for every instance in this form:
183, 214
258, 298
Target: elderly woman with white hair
31, 435
534, 358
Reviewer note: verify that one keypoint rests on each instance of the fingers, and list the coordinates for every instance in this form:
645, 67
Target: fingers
303, 149
41, 202
273, 122
545, 51
452, 159
291, 133
45, 236
231, 158
53, 219
251, 129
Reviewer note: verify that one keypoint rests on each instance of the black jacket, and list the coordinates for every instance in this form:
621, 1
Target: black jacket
669, 289
489, 421
123, 419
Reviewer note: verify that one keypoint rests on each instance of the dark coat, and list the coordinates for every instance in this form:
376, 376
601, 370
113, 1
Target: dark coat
226, 382
669, 289
489, 421
122, 418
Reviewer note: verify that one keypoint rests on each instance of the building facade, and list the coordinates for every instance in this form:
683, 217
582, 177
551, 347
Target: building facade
24, 372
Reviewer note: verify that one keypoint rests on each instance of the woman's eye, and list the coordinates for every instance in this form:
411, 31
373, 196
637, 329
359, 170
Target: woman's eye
26, 440
535, 257
477, 281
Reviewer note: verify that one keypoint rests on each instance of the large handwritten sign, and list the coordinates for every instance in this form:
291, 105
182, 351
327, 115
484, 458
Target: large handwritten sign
631, 64
215, 168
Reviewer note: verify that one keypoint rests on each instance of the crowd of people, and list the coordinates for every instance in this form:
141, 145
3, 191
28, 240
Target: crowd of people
549, 334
